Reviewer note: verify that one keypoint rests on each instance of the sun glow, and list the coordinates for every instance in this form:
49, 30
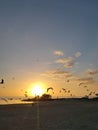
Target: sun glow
37, 89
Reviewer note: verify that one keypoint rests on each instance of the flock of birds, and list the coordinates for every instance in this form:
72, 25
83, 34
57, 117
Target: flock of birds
90, 93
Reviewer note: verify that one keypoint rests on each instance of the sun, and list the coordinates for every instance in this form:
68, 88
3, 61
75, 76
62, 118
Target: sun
37, 89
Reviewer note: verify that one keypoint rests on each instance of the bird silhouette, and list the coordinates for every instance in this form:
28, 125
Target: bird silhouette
96, 94
50, 88
2, 81
68, 80
85, 86
64, 90
60, 91
81, 83
26, 95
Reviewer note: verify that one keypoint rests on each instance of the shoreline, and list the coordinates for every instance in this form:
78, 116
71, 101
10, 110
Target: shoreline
31, 101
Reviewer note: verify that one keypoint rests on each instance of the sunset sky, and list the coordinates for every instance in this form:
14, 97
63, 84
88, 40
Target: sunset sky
49, 42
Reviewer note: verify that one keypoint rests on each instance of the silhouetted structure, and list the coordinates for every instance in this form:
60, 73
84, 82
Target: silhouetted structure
45, 97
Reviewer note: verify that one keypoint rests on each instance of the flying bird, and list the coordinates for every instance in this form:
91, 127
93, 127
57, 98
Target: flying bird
85, 86
4, 99
2, 81
50, 88
96, 94
90, 93
64, 90
26, 95
68, 80
60, 91
81, 83
87, 89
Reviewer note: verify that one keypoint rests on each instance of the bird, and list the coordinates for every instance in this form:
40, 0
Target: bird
64, 90
96, 94
60, 91
50, 88
81, 83
68, 80
26, 95
4, 99
85, 86
90, 93
71, 95
2, 81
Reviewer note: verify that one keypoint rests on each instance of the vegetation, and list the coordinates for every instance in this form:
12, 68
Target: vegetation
44, 97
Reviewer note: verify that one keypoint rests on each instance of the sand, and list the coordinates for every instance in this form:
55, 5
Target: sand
50, 115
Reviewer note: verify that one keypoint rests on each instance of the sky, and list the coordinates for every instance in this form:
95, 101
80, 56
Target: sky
51, 42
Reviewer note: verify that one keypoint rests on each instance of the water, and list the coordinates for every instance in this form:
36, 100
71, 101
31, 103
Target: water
12, 100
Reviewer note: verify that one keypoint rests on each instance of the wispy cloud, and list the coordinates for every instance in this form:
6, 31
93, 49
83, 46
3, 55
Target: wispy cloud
67, 62
70, 61
62, 74
78, 54
86, 80
57, 73
92, 72
59, 53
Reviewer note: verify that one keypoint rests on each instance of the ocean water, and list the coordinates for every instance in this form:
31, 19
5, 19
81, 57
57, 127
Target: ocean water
12, 100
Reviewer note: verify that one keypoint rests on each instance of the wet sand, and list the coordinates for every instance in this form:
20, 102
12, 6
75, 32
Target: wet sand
50, 115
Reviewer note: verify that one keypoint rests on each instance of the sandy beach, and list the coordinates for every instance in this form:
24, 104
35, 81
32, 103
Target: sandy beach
50, 115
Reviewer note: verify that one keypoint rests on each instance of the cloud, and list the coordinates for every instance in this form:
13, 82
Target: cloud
78, 54
63, 72
67, 62
92, 72
57, 74
60, 72
59, 53
48, 63
86, 80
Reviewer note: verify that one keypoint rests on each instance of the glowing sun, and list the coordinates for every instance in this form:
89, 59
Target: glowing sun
37, 89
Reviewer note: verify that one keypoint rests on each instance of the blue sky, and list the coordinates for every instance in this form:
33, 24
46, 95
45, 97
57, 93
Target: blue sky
32, 31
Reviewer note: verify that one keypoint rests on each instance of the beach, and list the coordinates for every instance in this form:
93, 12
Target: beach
50, 115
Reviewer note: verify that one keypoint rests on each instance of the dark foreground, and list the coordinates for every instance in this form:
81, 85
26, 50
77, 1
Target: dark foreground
50, 115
